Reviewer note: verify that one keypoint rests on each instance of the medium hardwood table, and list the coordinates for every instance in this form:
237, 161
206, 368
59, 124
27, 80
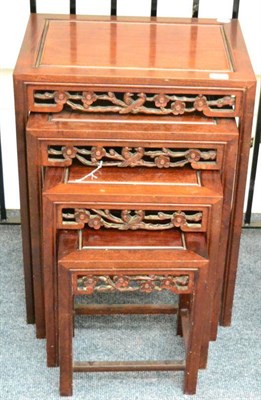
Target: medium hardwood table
137, 68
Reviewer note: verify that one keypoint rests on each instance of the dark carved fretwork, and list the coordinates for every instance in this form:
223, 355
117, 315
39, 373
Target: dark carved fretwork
134, 103
132, 157
132, 219
144, 283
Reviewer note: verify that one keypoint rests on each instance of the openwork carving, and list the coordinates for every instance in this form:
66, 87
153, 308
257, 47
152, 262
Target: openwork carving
132, 157
123, 283
132, 219
134, 103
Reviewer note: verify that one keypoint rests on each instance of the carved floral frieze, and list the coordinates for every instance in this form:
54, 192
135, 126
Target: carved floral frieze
123, 283
132, 219
134, 103
132, 157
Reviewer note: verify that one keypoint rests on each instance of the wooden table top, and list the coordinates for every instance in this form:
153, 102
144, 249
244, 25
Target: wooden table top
64, 48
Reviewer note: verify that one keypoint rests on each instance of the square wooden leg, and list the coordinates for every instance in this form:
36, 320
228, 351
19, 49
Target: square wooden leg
196, 326
65, 332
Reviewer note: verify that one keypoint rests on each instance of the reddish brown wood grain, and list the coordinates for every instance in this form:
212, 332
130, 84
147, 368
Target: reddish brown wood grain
109, 194
52, 59
193, 319
69, 129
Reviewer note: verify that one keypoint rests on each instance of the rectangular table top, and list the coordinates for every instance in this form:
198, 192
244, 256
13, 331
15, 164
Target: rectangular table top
64, 48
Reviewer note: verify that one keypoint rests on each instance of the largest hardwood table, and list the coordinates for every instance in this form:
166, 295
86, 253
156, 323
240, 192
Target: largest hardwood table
133, 67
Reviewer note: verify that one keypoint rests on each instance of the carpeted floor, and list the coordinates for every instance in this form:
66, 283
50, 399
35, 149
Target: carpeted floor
234, 359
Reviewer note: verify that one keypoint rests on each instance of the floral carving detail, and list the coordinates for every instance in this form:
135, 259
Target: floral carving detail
61, 97
162, 161
170, 284
88, 98
69, 152
95, 222
167, 283
121, 282
132, 157
135, 103
193, 155
200, 103
147, 286
182, 281
133, 283
179, 219
178, 107
88, 284
161, 100
82, 216
225, 101
133, 219
97, 153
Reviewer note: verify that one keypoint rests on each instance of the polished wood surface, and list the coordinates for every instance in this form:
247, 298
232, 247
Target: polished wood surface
115, 309
101, 47
116, 46
68, 128
226, 78
192, 319
127, 260
205, 185
131, 161
59, 195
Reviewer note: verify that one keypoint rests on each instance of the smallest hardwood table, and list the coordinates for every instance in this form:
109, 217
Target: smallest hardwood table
135, 67
125, 271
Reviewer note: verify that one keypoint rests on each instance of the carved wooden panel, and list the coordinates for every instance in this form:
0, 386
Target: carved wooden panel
222, 104
123, 220
198, 158
89, 284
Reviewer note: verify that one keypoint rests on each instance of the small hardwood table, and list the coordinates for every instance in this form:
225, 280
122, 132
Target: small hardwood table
137, 68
